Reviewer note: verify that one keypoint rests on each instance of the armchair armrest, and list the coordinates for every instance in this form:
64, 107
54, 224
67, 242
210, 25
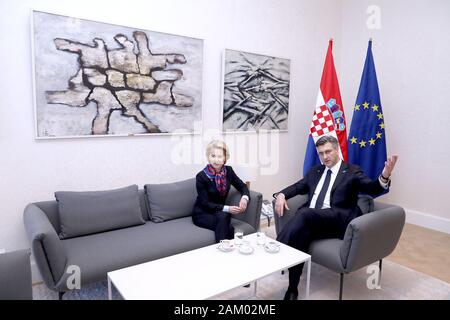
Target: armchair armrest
47, 248
252, 214
293, 203
372, 236
15, 275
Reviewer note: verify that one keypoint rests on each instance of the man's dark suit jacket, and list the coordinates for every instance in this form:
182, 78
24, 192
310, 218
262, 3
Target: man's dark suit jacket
349, 182
208, 198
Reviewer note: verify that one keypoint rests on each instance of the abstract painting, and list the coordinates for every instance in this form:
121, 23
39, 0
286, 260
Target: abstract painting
256, 92
99, 79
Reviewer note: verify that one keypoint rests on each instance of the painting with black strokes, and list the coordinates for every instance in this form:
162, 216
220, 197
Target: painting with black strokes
256, 92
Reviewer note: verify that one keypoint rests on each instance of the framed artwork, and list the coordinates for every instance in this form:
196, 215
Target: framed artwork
99, 79
255, 92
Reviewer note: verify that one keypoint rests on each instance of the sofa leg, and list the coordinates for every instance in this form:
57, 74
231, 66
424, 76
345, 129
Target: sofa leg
341, 286
60, 295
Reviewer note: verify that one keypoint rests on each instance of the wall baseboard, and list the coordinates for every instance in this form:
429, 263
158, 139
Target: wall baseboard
428, 221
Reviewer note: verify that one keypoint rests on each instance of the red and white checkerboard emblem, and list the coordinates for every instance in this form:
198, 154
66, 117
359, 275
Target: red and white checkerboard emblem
322, 122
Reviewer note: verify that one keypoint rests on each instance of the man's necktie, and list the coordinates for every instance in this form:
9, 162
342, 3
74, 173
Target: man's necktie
323, 192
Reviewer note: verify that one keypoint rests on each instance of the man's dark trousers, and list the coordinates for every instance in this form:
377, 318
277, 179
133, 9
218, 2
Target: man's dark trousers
308, 225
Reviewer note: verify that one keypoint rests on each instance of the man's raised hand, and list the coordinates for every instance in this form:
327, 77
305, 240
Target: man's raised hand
389, 166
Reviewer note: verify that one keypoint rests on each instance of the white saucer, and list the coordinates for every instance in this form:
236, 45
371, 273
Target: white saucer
226, 249
246, 249
272, 247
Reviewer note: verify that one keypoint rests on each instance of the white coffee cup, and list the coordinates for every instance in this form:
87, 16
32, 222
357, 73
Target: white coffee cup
225, 244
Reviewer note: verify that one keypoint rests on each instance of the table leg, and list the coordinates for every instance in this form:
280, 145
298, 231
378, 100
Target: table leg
308, 273
109, 289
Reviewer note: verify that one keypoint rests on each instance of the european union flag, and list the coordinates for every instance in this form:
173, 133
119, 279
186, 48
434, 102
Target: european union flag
367, 139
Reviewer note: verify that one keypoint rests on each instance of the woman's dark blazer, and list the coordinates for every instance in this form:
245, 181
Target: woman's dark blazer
208, 198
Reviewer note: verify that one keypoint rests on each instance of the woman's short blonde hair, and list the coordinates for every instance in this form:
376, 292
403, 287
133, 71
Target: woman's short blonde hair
217, 144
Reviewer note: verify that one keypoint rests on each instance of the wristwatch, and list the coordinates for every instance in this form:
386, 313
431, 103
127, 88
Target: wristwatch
276, 194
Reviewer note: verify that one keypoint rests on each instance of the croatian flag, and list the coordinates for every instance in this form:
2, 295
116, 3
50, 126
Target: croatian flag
328, 117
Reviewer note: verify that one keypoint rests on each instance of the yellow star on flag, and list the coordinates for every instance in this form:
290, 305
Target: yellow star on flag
353, 140
381, 125
362, 144
357, 107
374, 108
372, 141
378, 135
366, 105
380, 116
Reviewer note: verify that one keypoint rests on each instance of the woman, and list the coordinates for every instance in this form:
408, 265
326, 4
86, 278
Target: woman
213, 185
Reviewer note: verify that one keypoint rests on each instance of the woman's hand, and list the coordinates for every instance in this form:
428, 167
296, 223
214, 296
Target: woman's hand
243, 204
235, 210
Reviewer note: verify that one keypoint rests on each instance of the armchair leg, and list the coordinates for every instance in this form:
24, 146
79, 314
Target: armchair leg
60, 295
380, 264
341, 286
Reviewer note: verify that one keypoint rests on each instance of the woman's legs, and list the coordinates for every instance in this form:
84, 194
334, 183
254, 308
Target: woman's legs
219, 222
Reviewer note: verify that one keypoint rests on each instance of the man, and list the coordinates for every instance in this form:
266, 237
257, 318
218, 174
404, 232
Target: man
332, 190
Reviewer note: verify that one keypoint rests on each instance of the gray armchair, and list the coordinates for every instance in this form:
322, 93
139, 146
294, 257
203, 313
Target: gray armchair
367, 239
15, 275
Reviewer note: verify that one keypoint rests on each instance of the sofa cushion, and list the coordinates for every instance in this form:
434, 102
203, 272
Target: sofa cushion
143, 204
82, 213
326, 252
171, 200
100, 253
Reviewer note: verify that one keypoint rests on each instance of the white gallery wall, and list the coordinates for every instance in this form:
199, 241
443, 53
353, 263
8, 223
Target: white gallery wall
411, 46
413, 72
32, 170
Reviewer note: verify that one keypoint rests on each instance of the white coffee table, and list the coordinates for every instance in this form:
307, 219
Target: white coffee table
203, 273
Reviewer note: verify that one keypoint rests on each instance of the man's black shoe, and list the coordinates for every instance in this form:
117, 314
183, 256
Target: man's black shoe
291, 295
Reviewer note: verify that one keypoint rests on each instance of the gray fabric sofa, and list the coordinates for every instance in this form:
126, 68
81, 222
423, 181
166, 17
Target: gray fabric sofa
166, 228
